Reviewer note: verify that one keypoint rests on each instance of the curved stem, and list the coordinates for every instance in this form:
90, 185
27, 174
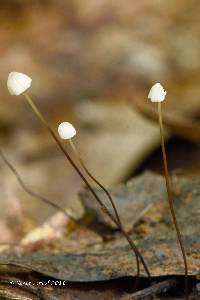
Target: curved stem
133, 246
95, 180
30, 192
170, 200
111, 201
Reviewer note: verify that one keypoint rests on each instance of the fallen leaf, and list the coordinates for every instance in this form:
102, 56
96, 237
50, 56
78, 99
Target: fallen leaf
114, 259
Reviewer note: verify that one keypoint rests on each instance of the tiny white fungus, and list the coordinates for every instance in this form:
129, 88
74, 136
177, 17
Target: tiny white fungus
66, 130
157, 93
18, 83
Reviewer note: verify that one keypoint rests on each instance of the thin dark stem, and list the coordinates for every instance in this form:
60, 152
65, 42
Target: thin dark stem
109, 197
30, 192
103, 207
95, 180
170, 200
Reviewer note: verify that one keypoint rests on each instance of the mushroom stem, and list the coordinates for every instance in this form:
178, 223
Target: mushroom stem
170, 200
33, 194
103, 207
95, 180
106, 192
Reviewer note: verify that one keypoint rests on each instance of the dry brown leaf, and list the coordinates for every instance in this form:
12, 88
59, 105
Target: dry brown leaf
114, 259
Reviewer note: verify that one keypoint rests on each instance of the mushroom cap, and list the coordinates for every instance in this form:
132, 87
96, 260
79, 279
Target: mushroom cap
66, 130
157, 93
18, 83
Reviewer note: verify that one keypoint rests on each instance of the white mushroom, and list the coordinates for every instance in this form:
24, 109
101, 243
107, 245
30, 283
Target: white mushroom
157, 93
66, 130
18, 83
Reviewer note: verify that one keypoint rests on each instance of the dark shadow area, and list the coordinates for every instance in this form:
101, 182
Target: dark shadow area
183, 157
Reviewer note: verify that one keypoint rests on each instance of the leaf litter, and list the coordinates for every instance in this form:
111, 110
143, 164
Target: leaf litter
153, 233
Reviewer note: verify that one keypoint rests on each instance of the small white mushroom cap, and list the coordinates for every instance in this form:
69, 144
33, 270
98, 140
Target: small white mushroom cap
157, 93
66, 130
18, 83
